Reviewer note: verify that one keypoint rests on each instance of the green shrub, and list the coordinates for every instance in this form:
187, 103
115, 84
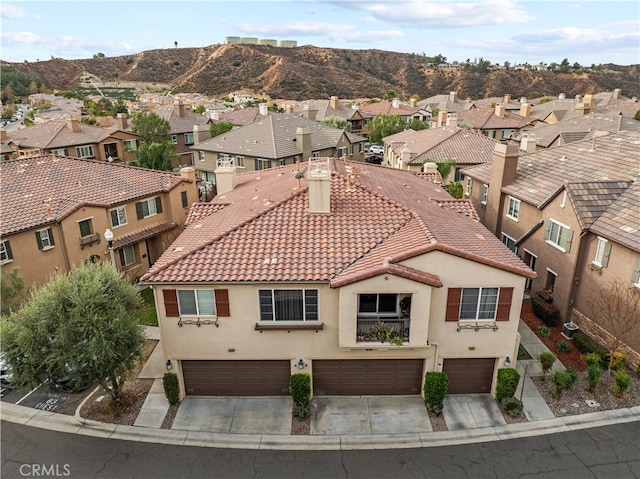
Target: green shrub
544, 331
435, 388
594, 373
171, 388
300, 390
587, 345
623, 383
512, 406
593, 359
618, 361
563, 346
564, 380
547, 312
546, 361
508, 379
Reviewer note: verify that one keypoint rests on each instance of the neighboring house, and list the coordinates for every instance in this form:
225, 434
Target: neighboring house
74, 139
450, 103
6, 152
55, 211
241, 116
412, 150
332, 107
406, 112
506, 101
275, 140
365, 277
59, 108
563, 108
495, 123
549, 206
182, 122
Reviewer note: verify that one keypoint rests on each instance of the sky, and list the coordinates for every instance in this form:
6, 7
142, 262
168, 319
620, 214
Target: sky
586, 32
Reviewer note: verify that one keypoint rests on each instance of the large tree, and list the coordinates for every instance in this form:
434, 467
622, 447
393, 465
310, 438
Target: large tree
156, 151
155, 156
150, 127
336, 121
384, 125
81, 324
220, 127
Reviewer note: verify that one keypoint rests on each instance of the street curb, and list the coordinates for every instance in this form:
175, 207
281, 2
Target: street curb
70, 424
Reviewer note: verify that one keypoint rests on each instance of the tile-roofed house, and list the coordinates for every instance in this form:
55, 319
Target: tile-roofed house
549, 205
335, 266
333, 107
448, 103
495, 122
395, 107
68, 204
241, 116
273, 140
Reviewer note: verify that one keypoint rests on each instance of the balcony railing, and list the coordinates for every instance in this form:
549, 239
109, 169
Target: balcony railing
89, 240
378, 330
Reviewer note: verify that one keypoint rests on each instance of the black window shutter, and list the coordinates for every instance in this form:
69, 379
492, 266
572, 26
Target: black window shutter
139, 211
114, 218
38, 240
185, 201
159, 205
50, 231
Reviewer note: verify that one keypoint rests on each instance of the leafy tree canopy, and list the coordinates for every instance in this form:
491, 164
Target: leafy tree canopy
337, 122
151, 127
11, 290
416, 124
16, 84
81, 324
220, 127
384, 125
155, 156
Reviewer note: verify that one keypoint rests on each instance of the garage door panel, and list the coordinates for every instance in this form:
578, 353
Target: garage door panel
355, 377
469, 375
236, 378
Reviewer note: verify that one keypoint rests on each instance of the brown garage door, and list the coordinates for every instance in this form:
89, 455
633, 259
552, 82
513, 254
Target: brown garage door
355, 377
469, 376
236, 378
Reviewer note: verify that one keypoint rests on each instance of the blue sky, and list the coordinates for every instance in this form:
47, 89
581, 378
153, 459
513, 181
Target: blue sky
496, 30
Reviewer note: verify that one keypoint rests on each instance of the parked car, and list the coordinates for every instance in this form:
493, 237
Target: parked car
377, 149
6, 376
373, 158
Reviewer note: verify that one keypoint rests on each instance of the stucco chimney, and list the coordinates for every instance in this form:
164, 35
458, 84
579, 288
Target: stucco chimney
442, 117
201, 133
429, 167
523, 99
589, 101
288, 108
412, 102
308, 113
504, 162
263, 109
188, 173
452, 119
525, 110
395, 103
500, 110
178, 108
528, 143
319, 178
225, 177
73, 124
3, 134
405, 156
214, 115
333, 102
303, 142
616, 93
507, 99
561, 96
123, 124
452, 96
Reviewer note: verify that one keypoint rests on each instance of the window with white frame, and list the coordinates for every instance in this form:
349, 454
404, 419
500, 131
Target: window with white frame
603, 250
469, 186
127, 255
288, 304
196, 302
513, 209
240, 161
150, 207
61, 152
636, 274
478, 303
559, 236
84, 151
118, 216
5, 252
174, 139
201, 155
44, 239
130, 145
484, 194
188, 138
262, 164
510, 242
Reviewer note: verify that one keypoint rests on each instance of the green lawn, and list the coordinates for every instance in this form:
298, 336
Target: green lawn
148, 316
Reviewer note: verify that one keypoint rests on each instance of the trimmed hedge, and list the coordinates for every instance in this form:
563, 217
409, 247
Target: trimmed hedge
547, 312
300, 390
564, 381
587, 345
508, 379
171, 388
435, 388
512, 406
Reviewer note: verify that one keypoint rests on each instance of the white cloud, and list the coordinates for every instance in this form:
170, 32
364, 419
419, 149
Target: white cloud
9, 11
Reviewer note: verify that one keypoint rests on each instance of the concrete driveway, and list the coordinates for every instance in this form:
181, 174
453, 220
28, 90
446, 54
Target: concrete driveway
368, 415
236, 415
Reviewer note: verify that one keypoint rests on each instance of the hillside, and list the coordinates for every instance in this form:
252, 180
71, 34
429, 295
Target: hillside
311, 72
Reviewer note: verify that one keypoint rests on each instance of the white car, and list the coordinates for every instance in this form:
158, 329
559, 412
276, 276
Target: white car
377, 149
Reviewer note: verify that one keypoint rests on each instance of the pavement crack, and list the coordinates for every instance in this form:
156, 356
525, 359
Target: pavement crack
106, 463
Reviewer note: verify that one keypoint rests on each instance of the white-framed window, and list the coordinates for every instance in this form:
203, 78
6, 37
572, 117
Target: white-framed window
261, 164
478, 303
201, 155
559, 236
188, 138
130, 145
5, 252
603, 250
510, 242
315, 154
150, 207
84, 151
513, 209
86, 227
635, 278
174, 139
61, 152
469, 187
378, 305
127, 255
288, 304
118, 216
44, 238
239, 161
283, 162
196, 302
484, 194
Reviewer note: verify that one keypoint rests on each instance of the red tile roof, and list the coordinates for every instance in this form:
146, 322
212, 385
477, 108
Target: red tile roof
144, 233
266, 233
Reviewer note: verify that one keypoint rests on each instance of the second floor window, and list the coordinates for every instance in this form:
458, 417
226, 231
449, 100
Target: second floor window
478, 303
127, 256
118, 216
198, 302
469, 186
174, 139
514, 208
261, 164
45, 239
5, 252
130, 145
185, 200
288, 304
188, 138
484, 194
61, 152
150, 207
603, 251
510, 242
378, 305
84, 151
559, 236
240, 161
86, 228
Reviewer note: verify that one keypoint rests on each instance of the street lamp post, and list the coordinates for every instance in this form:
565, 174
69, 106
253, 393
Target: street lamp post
108, 235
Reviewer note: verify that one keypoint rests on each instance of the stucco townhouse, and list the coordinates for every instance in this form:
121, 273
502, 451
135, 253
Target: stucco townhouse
365, 277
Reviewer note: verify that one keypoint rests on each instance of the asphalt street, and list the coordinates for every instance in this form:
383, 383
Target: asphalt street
609, 452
